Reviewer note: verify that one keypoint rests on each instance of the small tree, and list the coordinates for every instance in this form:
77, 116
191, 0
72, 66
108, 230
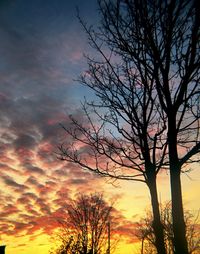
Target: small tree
86, 230
145, 232
68, 244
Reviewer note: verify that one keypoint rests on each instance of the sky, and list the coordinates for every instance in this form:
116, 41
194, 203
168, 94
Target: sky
41, 55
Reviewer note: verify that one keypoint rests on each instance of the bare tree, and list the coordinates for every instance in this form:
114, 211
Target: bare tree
145, 231
146, 113
67, 244
86, 230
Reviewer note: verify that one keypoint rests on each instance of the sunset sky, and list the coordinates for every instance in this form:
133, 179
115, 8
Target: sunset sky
41, 56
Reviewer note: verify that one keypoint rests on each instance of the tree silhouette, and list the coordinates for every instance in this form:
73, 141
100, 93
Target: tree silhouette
145, 231
146, 113
86, 230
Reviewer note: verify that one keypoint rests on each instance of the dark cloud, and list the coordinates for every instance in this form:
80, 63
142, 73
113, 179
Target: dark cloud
30, 169
5, 168
42, 204
8, 210
19, 226
29, 195
24, 141
61, 172
79, 181
32, 211
34, 182
23, 200
12, 183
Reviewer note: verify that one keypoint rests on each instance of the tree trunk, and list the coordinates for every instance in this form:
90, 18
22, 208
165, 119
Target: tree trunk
142, 247
157, 225
180, 241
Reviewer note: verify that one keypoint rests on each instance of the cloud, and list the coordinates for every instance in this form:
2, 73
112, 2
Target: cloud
41, 53
6, 168
24, 141
33, 181
30, 169
9, 181
9, 209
